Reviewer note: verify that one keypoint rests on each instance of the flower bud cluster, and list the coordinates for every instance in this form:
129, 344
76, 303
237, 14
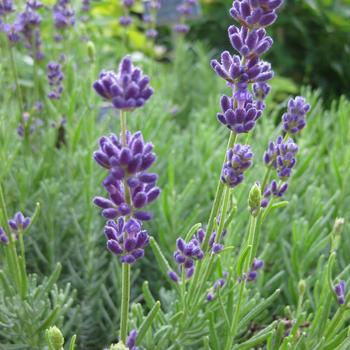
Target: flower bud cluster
239, 159
127, 90
339, 291
185, 10
129, 185
55, 77
150, 18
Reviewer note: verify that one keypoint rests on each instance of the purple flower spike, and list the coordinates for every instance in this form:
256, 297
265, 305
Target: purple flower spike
245, 73
6, 7
173, 275
294, 119
255, 14
151, 33
127, 165
126, 239
273, 190
12, 31
3, 237
127, 90
19, 222
218, 284
186, 254
249, 44
131, 340
253, 272
242, 119
239, 159
125, 21
128, 3
181, 28
234, 70
281, 155
55, 77
185, 9
63, 15
339, 290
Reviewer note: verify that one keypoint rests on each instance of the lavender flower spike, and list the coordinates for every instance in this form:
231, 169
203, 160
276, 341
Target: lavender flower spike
185, 255
339, 290
128, 163
126, 239
3, 237
19, 222
128, 89
281, 156
6, 7
131, 340
294, 119
55, 77
255, 14
63, 15
273, 190
239, 159
253, 272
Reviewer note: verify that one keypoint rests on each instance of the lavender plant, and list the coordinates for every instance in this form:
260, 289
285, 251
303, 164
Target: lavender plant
28, 306
223, 289
185, 10
130, 187
151, 9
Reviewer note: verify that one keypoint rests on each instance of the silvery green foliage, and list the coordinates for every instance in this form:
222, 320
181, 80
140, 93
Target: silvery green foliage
23, 321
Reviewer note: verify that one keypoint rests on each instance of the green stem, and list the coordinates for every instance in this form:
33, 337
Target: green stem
123, 127
15, 76
125, 302
265, 180
213, 214
223, 214
125, 267
247, 263
218, 196
209, 265
12, 261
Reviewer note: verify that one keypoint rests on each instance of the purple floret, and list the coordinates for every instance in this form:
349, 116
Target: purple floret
126, 239
19, 222
281, 156
128, 89
55, 78
239, 159
294, 119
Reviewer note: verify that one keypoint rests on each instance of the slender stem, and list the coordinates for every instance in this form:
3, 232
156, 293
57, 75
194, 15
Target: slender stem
223, 214
12, 262
247, 263
218, 196
209, 265
266, 179
125, 267
15, 76
123, 127
125, 302
213, 214
21, 247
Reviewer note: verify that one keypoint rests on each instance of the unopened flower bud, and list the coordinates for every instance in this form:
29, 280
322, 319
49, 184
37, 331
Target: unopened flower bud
55, 337
302, 287
338, 226
336, 233
91, 51
254, 199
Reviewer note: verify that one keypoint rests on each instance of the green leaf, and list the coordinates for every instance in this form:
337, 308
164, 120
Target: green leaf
147, 322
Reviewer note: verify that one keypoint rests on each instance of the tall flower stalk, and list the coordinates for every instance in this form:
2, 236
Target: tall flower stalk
130, 187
